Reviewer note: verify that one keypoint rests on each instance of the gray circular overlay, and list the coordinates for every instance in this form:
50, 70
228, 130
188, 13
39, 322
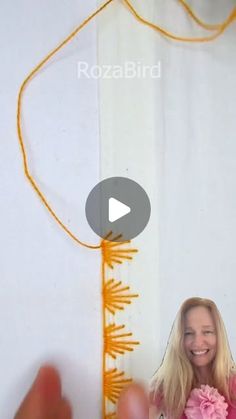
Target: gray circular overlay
127, 192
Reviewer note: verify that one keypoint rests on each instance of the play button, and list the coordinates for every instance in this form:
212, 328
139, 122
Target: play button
117, 210
118, 205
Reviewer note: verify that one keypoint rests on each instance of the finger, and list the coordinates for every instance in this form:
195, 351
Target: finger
43, 397
64, 410
133, 403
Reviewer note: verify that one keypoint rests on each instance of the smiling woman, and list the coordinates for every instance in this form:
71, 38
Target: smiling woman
197, 377
200, 342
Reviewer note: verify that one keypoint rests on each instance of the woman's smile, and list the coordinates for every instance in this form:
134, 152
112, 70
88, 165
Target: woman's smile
200, 353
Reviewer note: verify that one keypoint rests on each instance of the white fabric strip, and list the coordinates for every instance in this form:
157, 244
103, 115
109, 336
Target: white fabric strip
176, 136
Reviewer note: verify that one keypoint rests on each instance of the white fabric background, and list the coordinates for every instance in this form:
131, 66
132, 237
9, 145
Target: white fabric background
50, 286
175, 135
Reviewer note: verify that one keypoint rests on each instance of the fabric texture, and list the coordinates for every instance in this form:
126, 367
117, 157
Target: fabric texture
175, 136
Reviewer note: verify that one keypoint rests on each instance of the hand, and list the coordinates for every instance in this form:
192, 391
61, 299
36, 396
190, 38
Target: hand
45, 401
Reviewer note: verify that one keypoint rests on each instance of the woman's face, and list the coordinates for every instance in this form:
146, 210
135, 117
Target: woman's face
199, 336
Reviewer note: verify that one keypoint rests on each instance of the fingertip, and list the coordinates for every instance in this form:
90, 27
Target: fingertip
64, 410
133, 403
43, 396
48, 380
48, 370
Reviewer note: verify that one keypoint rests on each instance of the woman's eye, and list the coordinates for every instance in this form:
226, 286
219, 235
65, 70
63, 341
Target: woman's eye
207, 332
188, 333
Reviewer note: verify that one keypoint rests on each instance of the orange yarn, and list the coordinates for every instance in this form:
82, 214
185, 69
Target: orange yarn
207, 26
19, 124
219, 29
115, 296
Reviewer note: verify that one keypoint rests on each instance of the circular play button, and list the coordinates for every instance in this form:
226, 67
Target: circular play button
118, 209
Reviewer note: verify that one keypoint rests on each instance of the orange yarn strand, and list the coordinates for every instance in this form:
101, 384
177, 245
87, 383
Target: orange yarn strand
19, 127
170, 35
115, 295
220, 28
204, 25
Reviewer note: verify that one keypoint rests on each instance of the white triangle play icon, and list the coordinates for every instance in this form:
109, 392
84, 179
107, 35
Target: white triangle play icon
117, 209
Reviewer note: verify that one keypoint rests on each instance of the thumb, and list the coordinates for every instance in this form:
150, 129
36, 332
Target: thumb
43, 398
133, 403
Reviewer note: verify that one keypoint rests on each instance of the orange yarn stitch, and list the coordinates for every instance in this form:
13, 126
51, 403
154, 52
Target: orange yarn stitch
114, 383
115, 295
114, 298
115, 343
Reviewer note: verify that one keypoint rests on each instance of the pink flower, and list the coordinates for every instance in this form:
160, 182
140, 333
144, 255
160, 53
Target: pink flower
206, 403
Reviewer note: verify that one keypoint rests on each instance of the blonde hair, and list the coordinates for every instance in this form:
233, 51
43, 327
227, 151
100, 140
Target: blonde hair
175, 378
